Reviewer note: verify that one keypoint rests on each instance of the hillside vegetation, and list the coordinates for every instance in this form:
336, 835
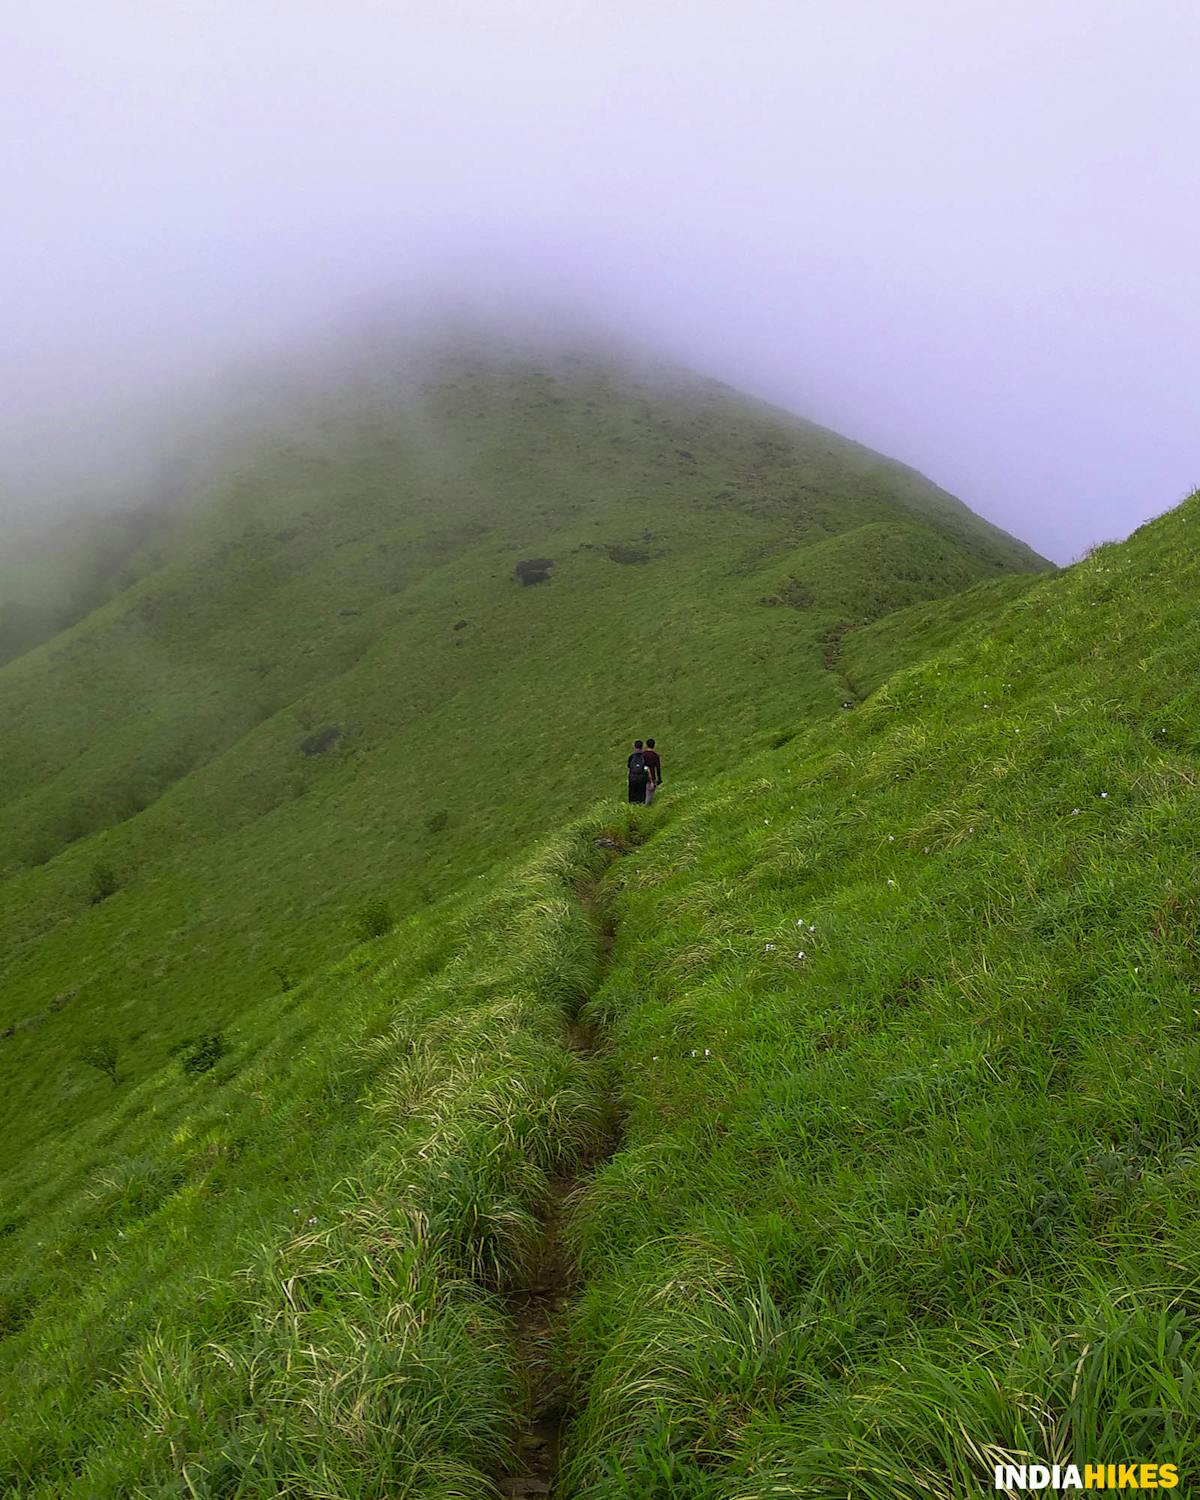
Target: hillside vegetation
320, 686
906, 1028
864, 1220
840, 1111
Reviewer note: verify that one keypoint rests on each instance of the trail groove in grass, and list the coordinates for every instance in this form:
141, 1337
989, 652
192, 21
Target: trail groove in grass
538, 1309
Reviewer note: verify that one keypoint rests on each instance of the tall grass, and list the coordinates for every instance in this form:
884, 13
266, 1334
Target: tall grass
925, 1198
299, 1290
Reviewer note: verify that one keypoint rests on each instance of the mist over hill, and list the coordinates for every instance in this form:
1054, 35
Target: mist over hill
397, 625
320, 676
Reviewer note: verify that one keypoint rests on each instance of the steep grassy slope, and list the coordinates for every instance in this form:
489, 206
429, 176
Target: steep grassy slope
287, 1274
922, 1199
322, 683
907, 1036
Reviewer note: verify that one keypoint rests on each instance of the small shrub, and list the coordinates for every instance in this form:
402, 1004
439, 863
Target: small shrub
437, 822
286, 982
534, 570
374, 920
102, 1055
323, 741
619, 552
17, 1305
104, 883
206, 1052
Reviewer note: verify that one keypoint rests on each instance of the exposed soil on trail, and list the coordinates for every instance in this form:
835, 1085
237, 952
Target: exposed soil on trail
538, 1309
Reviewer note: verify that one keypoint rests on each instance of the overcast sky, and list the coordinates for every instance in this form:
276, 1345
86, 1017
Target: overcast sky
965, 233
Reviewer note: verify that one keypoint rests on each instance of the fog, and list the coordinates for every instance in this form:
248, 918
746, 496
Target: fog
963, 234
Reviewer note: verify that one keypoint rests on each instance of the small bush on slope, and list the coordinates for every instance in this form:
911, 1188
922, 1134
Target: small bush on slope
289, 1294
928, 1196
374, 920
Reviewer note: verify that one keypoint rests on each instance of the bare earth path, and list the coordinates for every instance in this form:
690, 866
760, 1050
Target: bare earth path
538, 1309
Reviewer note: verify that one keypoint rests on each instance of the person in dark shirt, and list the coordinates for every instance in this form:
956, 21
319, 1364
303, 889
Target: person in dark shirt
654, 767
639, 773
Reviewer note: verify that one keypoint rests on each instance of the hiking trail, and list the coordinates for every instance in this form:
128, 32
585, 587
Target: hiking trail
538, 1309
831, 660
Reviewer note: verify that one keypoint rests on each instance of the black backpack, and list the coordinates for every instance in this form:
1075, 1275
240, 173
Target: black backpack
637, 766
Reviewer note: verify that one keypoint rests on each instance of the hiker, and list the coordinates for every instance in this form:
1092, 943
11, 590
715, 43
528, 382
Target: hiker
654, 767
639, 773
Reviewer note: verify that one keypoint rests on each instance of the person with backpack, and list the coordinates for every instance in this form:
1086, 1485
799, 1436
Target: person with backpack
639, 773
654, 767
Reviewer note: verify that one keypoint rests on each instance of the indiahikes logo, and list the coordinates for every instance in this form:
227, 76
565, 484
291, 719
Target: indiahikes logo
1014, 1478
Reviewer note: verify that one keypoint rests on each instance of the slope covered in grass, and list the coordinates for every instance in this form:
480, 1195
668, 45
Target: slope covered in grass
923, 1199
321, 683
287, 1274
907, 1036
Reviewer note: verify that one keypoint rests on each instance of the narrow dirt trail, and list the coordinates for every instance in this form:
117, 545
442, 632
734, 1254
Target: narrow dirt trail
538, 1309
831, 660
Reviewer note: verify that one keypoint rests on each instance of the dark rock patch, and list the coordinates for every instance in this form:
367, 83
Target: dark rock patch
619, 552
323, 740
534, 570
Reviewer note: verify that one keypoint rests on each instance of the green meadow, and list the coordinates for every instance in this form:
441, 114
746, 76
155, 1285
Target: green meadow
852, 1088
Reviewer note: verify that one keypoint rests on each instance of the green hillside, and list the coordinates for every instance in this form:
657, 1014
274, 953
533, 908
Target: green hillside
867, 1220
907, 1044
321, 684
581, 1174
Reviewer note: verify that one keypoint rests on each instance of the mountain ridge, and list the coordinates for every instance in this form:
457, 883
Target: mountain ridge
319, 589
895, 1030
299, 911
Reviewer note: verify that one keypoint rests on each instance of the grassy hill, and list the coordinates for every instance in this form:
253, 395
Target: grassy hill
290, 1209
907, 1044
319, 683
